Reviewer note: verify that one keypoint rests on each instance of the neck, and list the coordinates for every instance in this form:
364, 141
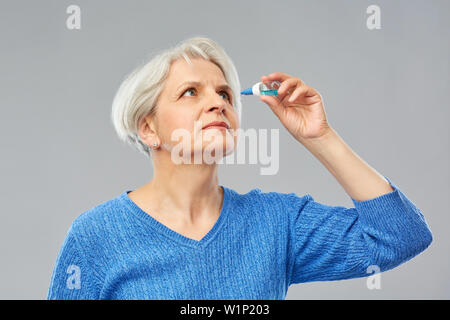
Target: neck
186, 191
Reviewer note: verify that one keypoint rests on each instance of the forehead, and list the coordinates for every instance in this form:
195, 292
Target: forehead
201, 70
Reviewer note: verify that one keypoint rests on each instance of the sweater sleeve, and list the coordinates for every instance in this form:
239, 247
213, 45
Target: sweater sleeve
336, 243
72, 277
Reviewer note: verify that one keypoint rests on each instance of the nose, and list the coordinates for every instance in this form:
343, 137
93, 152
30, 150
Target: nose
217, 103
218, 107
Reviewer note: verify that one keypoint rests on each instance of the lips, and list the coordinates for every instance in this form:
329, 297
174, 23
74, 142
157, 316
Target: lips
217, 124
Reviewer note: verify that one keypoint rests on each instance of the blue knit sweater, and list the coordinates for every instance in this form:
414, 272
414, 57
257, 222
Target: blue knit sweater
260, 245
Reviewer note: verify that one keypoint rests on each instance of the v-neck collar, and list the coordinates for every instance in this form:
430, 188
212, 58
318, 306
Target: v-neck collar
172, 234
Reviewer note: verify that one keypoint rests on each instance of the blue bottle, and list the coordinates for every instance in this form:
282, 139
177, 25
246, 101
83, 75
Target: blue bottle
263, 88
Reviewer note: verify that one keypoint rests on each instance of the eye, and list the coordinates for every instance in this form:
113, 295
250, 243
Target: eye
190, 89
221, 92
228, 96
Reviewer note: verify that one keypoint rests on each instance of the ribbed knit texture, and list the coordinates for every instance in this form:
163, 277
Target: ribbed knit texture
260, 245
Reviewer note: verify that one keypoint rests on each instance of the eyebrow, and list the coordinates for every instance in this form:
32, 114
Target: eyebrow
196, 83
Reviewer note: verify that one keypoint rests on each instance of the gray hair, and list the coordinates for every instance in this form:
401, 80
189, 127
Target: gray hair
137, 95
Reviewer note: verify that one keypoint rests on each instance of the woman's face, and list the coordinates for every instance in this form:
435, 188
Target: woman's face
197, 94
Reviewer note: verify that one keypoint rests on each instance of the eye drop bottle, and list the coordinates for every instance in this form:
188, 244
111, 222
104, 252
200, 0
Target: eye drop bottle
263, 88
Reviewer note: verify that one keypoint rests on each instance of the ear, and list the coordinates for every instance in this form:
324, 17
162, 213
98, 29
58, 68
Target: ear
148, 130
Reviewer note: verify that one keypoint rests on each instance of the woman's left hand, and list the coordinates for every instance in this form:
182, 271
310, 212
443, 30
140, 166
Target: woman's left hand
298, 106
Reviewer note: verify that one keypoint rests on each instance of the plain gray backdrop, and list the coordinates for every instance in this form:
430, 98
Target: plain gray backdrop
386, 93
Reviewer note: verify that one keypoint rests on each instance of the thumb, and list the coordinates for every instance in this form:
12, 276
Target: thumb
274, 104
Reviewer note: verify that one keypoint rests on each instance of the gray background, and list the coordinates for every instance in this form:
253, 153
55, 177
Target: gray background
386, 93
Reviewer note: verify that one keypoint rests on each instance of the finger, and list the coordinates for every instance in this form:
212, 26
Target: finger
310, 94
280, 76
274, 104
267, 78
288, 85
297, 93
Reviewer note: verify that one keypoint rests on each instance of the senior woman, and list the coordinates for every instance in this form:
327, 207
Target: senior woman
184, 236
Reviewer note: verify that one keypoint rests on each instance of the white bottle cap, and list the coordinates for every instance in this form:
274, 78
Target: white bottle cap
255, 89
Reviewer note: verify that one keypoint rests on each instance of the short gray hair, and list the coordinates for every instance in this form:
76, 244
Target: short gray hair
137, 95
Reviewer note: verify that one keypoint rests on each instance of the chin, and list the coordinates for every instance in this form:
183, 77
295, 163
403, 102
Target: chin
213, 152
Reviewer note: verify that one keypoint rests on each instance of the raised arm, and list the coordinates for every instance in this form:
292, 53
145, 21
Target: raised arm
385, 228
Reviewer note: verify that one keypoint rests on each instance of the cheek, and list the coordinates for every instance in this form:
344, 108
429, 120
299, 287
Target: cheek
234, 119
177, 120
173, 120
